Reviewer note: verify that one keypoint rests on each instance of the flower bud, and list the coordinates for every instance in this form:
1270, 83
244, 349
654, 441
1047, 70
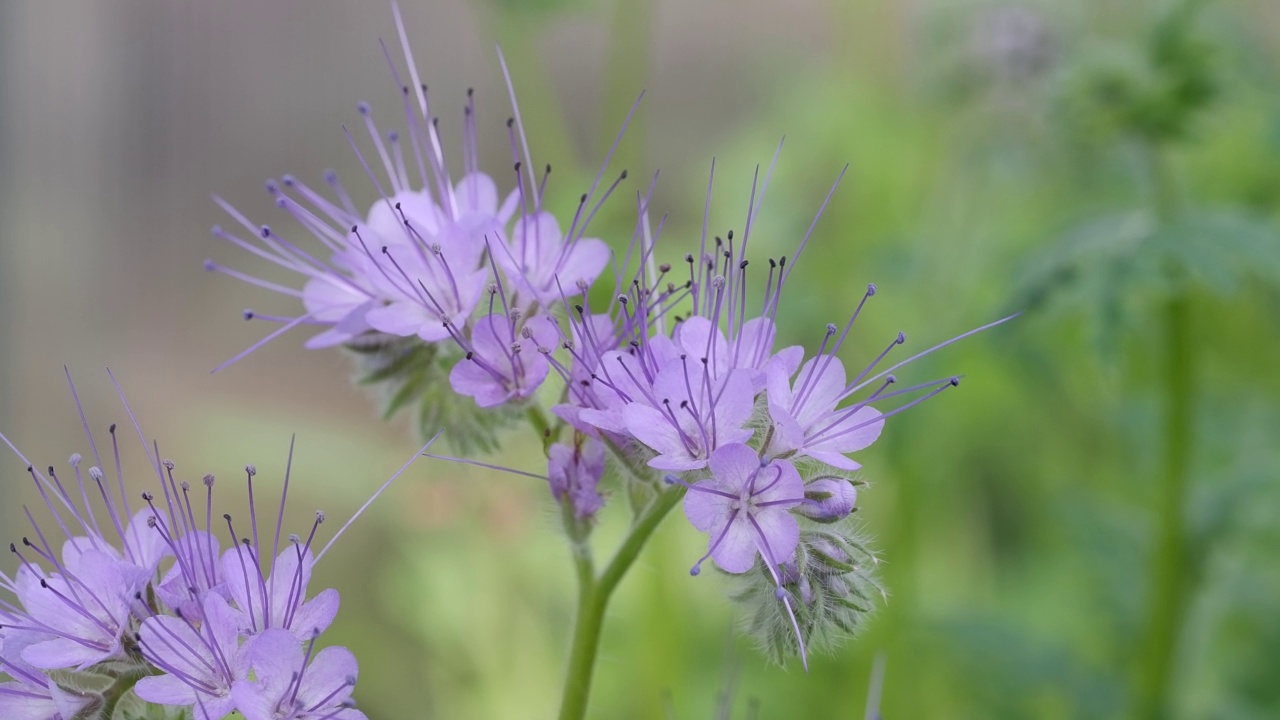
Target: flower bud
828, 499
574, 471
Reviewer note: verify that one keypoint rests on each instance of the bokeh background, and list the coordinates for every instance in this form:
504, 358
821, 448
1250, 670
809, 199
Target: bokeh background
1113, 169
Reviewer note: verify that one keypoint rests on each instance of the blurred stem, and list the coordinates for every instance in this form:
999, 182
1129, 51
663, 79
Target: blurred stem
593, 598
1168, 588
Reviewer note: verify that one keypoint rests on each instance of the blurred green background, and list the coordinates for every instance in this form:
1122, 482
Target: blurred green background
1093, 519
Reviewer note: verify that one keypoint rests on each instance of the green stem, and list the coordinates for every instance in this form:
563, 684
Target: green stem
112, 696
1170, 571
593, 598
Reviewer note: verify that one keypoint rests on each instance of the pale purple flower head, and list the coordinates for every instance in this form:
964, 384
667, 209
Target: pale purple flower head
417, 263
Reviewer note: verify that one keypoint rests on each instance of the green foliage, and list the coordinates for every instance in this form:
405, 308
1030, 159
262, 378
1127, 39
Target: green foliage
413, 376
1155, 93
1114, 270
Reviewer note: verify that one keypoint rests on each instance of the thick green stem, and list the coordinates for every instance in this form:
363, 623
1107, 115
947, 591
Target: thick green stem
1169, 584
593, 599
1169, 570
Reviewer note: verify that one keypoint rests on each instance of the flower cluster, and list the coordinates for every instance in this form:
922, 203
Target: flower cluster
677, 377
444, 262
759, 436
120, 603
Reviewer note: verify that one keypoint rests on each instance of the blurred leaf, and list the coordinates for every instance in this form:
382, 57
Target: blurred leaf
1016, 674
1114, 267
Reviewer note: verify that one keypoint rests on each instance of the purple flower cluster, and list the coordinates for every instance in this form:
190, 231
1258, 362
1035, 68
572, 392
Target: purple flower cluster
145, 595
435, 259
758, 435
677, 372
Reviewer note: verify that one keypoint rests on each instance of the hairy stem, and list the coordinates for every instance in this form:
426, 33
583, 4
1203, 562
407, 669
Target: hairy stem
593, 598
112, 696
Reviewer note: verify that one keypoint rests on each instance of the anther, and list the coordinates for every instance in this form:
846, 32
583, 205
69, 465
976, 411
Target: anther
208, 480
251, 470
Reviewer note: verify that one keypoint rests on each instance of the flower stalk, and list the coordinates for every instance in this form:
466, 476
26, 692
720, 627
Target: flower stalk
593, 599
1168, 588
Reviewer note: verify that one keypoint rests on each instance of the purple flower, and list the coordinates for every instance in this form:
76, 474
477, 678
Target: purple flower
543, 263
85, 612
278, 600
291, 685
744, 506
194, 574
162, 592
201, 659
31, 695
574, 472
506, 359
687, 414
806, 420
750, 349
417, 262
